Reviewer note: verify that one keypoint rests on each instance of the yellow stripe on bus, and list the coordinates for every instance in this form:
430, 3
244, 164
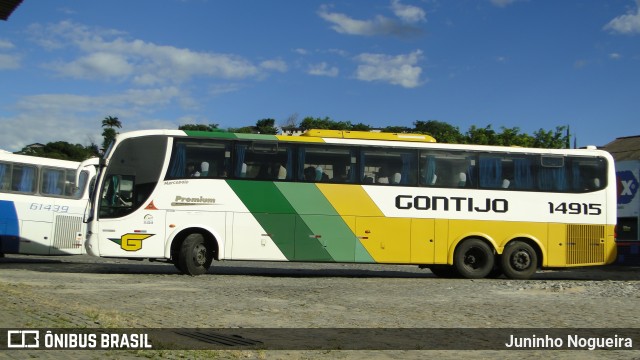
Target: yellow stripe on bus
385, 239
350, 200
299, 138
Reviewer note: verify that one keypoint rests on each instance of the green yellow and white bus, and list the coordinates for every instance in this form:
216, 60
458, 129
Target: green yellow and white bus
42, 204
192, 197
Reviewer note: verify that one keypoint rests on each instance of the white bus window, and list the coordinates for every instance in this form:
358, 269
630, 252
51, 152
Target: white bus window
389, 166
82, 183
264, 161
5, 177
588, 174
24, 178
326, 164
199, 159
53, 182
518, 172
447, 169
552, 174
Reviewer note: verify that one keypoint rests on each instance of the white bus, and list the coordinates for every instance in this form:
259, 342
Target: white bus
42, 203
347, 196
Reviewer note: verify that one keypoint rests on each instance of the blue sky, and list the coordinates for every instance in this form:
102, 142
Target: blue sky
65, 65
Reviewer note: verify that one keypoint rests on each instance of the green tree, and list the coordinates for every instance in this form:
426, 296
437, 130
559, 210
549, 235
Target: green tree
360, 127
441, 131
550, 139
481, 136
309, 123
243, 130
513, 137
266, 126
198, 127
109, 133
397, 129
62, 150
326, 123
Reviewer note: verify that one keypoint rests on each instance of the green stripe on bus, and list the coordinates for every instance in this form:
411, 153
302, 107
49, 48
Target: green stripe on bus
280, 220
257, 137
211, 134
325, 224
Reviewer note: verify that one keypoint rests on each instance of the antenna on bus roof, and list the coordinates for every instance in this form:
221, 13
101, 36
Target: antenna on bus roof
368, 135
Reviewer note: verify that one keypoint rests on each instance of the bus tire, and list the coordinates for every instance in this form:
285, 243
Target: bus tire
444, 271
473, 259
519, 260
175, 259
195, 256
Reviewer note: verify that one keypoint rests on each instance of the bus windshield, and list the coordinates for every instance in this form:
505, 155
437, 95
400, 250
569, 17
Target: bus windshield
131, 175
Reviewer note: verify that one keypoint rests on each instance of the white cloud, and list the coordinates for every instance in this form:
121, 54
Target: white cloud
220, 89
502, 3
380, 25
5, 45
338, 52
14, 135
323, 69
408, 13
131, 101
76, 118
9, 62
106, 54
626, 24
276, 65
615, 56
98, 65
397, 70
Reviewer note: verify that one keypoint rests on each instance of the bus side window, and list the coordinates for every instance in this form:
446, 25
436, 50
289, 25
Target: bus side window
325, 164
24, 178
264, 161
194, 158
447, 169
5, 176
52, 181
586, 174
389, 166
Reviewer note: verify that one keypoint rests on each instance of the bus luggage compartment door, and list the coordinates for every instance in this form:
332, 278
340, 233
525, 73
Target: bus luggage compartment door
387, 240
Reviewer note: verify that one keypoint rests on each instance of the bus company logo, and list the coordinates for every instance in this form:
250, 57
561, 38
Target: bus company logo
627, 186
131, 241
451, 203
189, 201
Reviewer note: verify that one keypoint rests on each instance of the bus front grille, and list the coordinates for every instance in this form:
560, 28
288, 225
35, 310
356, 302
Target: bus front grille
66, 232
585, 244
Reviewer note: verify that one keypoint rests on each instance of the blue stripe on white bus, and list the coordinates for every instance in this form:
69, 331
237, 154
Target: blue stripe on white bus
9, 228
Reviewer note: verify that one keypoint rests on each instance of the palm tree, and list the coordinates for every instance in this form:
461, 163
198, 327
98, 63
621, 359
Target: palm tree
109, 134
111, 122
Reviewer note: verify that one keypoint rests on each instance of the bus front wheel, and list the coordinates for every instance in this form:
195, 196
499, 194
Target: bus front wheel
519, 260
473, 259
195, 256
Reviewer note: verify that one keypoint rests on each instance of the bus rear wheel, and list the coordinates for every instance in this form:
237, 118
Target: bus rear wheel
195, 256
473, 259
519, 260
